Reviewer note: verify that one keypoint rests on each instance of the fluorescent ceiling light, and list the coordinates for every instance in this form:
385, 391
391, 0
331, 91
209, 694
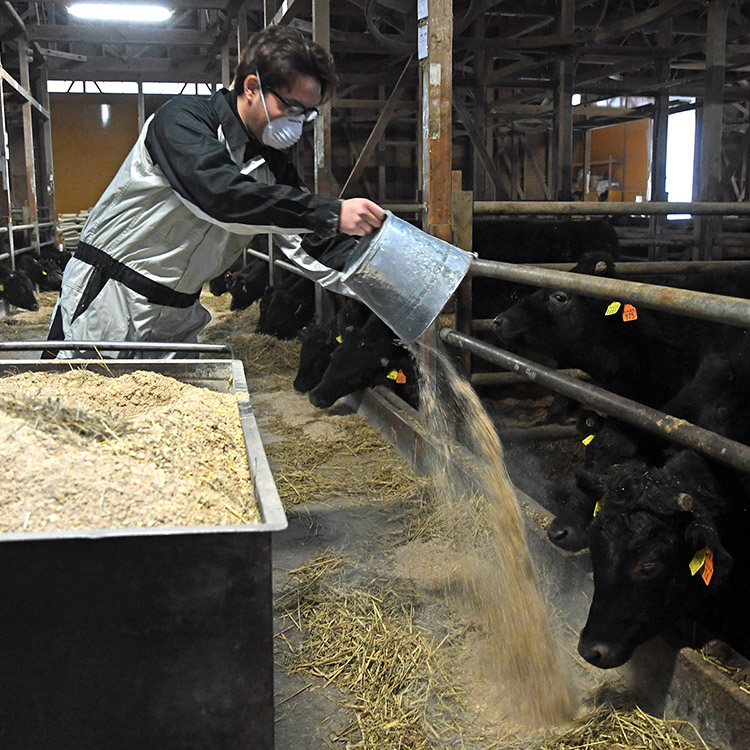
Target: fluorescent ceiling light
135, 13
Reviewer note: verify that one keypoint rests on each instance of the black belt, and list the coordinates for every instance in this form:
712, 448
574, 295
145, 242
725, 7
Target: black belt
153, 291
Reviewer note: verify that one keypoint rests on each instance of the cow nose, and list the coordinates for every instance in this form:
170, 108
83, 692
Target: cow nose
565, 536
598, 654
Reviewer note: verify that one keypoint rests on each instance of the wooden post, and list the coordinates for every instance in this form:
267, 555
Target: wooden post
564, 110
462, 215
6, 196
325, 183
141, 107
711, 129
435, 50
47, 176
28, 142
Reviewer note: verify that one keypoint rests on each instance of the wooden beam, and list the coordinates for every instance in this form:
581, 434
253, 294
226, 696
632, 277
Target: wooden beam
563, 119
288, 10
500, 181
377, 131
23, 93
118, 34
602, 34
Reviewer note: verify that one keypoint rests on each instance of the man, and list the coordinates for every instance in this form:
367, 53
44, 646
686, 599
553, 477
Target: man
205, 175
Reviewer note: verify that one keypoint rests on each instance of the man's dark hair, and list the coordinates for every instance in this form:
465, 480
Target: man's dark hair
281, 54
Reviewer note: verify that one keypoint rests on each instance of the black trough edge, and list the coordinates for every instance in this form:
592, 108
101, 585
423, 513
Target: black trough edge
676, 684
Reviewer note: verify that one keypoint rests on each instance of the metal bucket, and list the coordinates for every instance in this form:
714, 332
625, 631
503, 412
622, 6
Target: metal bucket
405, 276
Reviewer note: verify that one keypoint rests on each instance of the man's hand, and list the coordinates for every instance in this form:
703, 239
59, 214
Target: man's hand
360, 216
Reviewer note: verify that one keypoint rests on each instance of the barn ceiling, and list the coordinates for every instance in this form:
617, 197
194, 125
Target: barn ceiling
510, 53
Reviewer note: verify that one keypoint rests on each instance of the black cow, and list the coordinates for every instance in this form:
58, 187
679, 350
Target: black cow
531, 241
17, 289
59, 257
287, 307
247, 284
650, 530
220, 284
653, 522
43, 272
611, 448
365, 357
613, 347
318, 343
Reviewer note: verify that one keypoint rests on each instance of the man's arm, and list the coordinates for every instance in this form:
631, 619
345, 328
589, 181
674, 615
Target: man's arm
182, 141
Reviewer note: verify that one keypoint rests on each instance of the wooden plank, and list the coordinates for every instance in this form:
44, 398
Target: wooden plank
28, 143
24, 93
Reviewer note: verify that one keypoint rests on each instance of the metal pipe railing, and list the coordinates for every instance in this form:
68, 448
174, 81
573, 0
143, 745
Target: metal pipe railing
280, 263
110, 346
592, 208
638, 268
722, 449
713, 307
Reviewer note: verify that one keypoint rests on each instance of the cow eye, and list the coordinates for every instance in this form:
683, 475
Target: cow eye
560, 297
648, 570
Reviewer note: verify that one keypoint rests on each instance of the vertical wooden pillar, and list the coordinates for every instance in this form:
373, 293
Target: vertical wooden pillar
6, 197
382, 183
241, 28
436, 75
28, 141
586, 178
226, 73
325, 184
462, 216
435, 49
712, 126
659, 145
564, 110
479, 173
141, 107
45, 157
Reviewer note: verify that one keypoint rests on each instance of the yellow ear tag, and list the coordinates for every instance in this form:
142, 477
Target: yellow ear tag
392, 375
598, 507
339, 339
612, 309
298, 309
400, 378
699, 558
588, 439
629, 313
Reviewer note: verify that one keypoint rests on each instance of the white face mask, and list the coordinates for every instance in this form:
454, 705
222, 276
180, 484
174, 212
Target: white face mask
281, 132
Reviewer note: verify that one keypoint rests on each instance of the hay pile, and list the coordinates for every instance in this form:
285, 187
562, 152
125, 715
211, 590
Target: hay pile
616, 723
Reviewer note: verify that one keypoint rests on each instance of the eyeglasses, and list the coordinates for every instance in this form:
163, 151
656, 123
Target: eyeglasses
295, 109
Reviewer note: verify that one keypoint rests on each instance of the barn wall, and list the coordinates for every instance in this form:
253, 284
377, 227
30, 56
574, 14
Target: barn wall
86, 153
628, 146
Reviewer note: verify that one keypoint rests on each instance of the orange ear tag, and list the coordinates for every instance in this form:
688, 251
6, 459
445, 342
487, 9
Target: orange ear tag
708, 567
400, 378
629, 313
612, 308
392, 375
588, 439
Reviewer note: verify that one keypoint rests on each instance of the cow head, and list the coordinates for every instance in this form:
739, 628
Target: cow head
363, 354
17, 289
557, 323
648, 549
285, 310
318, 343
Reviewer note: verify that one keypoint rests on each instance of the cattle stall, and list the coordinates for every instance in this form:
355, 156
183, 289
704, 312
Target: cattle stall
126, 619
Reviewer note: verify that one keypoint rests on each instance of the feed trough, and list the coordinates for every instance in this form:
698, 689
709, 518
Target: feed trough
142, 637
